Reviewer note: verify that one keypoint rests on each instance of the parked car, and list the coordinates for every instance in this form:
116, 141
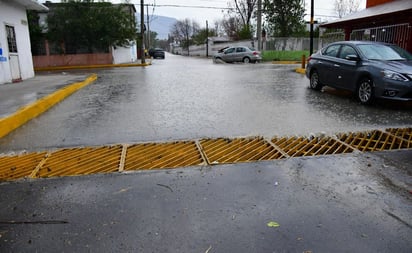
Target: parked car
369, 69
157, 53
238, 54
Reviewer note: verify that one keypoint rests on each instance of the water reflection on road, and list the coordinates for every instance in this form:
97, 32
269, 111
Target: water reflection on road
186, 98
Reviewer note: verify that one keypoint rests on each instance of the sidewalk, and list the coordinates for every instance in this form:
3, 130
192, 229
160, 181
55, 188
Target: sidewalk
23, 101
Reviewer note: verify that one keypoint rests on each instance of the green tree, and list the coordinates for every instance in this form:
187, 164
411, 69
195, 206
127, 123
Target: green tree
202, 35
184, 31
36, 33
85, 26
151, 39
285, 17
240, 18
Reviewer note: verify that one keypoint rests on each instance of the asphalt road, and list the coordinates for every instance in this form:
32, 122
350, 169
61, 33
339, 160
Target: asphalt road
358, 202
183, 98
321, 204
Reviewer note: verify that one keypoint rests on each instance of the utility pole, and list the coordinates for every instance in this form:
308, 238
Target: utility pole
311, 26
143, 56
207, 39
259, 24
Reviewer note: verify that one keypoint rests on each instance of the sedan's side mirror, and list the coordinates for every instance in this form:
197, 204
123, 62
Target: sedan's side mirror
352, 57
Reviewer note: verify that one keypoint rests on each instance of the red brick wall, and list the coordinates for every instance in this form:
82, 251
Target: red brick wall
71, 60
370, 3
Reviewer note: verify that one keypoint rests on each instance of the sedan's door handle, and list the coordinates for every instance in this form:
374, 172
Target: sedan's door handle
336, 65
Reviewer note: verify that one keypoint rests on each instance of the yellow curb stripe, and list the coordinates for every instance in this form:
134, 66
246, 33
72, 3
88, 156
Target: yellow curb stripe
26, 113
286, 62
92, 66
300, 70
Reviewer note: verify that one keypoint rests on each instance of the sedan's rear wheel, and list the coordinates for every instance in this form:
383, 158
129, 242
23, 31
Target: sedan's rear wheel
364, 92
246, 60
314, 81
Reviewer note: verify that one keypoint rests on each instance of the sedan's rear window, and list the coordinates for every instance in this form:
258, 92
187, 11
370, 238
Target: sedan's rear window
331, 50
383, 52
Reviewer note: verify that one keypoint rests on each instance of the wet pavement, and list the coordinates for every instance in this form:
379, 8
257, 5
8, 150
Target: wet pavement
321, 204
183, 98
360, 202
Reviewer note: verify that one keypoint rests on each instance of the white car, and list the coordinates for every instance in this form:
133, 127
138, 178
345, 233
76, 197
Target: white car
238, 54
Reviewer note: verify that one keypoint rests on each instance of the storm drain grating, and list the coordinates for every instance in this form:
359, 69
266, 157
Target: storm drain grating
14, 167
302, 146
146, 156
162, 155
239, 150
373, 141
81, 161
404, 133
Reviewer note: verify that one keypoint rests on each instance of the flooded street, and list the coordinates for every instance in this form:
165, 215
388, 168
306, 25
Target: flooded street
343, 202
191, 98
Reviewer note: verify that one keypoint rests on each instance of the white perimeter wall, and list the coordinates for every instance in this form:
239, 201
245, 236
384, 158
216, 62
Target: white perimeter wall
124, 54
15, 15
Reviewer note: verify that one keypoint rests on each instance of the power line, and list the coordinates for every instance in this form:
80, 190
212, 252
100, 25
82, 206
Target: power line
189, 6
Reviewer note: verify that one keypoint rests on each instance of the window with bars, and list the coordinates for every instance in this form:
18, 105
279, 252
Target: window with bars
11, 39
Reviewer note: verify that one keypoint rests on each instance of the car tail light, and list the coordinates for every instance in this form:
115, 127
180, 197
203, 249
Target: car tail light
255, 53
309, 58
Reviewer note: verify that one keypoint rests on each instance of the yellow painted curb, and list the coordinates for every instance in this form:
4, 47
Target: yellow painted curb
285, 62
92, 66
30, 111
300, 70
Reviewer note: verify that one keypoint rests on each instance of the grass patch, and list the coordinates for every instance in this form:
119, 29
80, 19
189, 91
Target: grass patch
284, 55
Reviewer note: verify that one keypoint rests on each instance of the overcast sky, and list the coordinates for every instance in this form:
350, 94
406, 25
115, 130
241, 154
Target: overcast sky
213, 10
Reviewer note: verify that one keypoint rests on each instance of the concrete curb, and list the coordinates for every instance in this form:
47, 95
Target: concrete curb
30, 111
93, 66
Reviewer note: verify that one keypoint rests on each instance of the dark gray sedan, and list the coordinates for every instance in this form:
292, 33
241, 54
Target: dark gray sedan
238, 54
369, 69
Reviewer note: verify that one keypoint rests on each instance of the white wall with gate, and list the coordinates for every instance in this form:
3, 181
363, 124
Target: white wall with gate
14, 15
277, 44
124, 54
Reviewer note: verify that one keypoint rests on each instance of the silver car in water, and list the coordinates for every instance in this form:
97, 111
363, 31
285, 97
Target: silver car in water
238, 54
369, 69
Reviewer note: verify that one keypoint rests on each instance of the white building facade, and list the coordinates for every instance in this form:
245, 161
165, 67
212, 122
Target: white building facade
16, 61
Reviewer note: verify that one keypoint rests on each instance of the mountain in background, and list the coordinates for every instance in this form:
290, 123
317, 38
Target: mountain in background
160, 24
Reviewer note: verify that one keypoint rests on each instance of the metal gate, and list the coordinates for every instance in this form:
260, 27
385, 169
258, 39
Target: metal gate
396, 34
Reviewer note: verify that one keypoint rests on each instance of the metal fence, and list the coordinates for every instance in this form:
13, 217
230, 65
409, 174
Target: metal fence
328, 38
396, 34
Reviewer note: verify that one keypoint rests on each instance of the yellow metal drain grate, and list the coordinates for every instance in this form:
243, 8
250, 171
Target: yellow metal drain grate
162, 155
404, 133
146, 156
81, 161
238, 150
14, 167
301, 146
373, 141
